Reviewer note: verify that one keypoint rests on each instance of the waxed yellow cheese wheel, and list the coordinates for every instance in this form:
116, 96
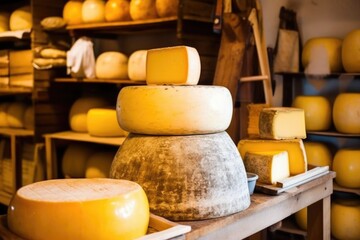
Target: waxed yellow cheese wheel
301, 218
93, 11
117, 10
350, 51
143, 9
346, 164
4, 21
167, 8
72, 12
21, 19
98, 164
346, 113
318, 154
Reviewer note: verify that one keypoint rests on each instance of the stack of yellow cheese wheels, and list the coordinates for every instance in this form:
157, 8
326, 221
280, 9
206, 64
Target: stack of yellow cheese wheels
177, 149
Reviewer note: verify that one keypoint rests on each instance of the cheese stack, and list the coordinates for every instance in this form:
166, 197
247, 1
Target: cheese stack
279, 152
177, 149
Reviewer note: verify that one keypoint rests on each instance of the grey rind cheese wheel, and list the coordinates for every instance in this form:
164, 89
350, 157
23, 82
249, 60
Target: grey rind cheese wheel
190, 177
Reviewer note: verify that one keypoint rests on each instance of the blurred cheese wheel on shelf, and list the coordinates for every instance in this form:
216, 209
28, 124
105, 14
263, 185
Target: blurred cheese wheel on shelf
346, 164
350, 52
74, 160
111, 65
21, 19
345, 219
3, 113
318, 154
93, 11
317, 112
301, 218
143, 9
346, 113
137, 65
4, 21
174, 110
79, 110
72, 12
323, 50
79, 209
29, 116
102, 122
167, 8
15, 114
117, 10
98, 165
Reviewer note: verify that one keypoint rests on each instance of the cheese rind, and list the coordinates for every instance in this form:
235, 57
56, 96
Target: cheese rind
111, 65
79, 209
269, 166
102, 122
137, 65
15, 114
282, 123
294, 147
179, 65
98, 164
174, 110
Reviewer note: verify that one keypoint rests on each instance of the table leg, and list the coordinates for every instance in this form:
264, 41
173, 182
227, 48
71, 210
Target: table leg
319, 220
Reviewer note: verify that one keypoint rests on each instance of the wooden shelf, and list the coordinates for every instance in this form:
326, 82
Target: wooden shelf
13, 90
10, 36
16, 132
109, 81
334, 134
5, 198
338, 188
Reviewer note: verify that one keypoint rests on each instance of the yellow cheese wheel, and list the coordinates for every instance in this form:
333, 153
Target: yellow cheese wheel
79, 110
93, 11
102, 122
117, 10
301, 218
3, 113
323, 50
21, 19
143, 9
350, 51
72, 12
346, 113
137, 65
318, 154
80, 209
4, 21
346, 164
167, 8
111, 65
98, 165
15, 114
174, 110
317, 112
345, 219
74, 160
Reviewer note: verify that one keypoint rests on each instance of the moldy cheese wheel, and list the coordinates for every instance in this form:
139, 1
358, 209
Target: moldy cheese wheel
79, 209
174, 110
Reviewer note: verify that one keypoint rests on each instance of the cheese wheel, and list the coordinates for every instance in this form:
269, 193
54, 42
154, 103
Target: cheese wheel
346, 113
254, 110
72, 12
197, 176
350, 54
294, 147
21, 19
93, 11
117, 10
282, 123
346, 164
317, 112
174, 110
112, 65
301, 218
137, 65
74, 160
15, 114
3, 114
179, 65
270, 166
102, 122
167, 8
143, 9
29, 116
98, 165
4, 21
79, 110
79, 209
318, 154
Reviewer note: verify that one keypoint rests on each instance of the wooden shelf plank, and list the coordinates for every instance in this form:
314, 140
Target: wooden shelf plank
12, 90
16, 132
338, 188
110, 81
333, 134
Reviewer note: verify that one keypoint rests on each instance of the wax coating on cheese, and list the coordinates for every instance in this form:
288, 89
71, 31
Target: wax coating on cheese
102, 122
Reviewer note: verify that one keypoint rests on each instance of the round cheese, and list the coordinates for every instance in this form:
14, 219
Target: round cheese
111, 65
346, 113
345, 218
143, 9
4, 21
93, 11
79, 110
137, 65
167, 8
29, 116
350, 51
174, 110
117, 10
317, 112
21, 19
79, 209
72, 12
98, 165
15, 114
301, 218
102, 122
3, 114
318, 154
346, 164
185, 177
74, 160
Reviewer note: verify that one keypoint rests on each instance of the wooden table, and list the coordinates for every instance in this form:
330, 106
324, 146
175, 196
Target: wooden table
266, 210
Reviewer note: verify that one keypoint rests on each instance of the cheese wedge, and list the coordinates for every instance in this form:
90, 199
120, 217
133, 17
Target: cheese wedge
102, 122
294, 147
270, 166
178, 65
79, 209
282, 123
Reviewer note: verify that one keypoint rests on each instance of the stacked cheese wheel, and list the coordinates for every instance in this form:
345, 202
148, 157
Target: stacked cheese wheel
177, 149
16, 115
279, 152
